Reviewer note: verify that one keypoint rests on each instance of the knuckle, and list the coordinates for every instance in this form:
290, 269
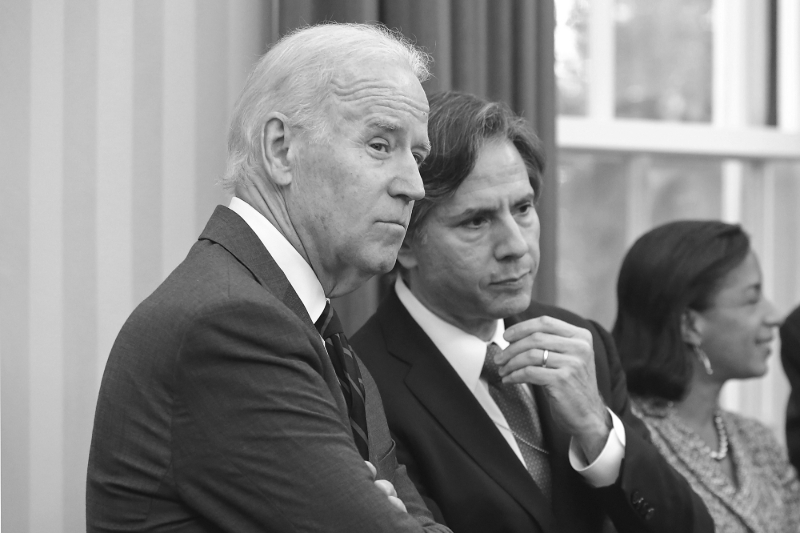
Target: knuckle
569, 373
563, 377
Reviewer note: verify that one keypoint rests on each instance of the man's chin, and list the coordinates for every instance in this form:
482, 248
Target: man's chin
512, 306
378, 263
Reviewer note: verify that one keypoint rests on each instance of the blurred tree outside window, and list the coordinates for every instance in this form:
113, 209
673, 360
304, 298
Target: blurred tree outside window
664, 59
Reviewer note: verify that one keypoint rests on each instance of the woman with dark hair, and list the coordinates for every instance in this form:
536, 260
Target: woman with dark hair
691, 316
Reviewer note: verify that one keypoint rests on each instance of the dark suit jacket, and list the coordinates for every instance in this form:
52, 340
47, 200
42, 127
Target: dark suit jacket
470, 477
219, 411
790, 357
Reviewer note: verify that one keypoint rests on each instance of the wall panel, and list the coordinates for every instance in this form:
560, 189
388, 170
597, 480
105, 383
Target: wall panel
113, 118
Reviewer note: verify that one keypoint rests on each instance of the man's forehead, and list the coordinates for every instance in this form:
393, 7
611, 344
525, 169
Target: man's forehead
388, 87
512, 177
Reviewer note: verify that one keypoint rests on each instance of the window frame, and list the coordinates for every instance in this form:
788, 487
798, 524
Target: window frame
728, 136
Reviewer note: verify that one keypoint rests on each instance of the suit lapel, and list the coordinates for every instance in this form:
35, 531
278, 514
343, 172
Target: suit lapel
230, 231
439, 388
558, 445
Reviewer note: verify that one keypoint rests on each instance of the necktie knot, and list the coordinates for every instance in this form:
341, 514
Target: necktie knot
328, 322
491, 370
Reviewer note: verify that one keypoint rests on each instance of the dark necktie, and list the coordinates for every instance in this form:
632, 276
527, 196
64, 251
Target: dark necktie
346, 368
520, 411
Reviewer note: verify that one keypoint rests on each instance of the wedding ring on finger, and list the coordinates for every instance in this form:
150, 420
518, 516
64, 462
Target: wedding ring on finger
545, 355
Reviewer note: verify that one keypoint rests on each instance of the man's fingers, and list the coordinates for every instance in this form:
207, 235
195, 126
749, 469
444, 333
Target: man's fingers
539, 342
386, 487
544, 324
372, 469
397, 502
533, 358
535, 375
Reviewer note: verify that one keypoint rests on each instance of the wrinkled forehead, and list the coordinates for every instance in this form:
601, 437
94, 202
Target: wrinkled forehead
378, 86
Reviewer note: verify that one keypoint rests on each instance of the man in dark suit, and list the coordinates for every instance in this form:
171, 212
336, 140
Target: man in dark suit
520, 425
231, 402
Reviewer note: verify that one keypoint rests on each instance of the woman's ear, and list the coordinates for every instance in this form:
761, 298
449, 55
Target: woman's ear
692, 327
277, 142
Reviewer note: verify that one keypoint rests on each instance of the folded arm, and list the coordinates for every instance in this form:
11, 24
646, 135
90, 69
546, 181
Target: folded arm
258, 440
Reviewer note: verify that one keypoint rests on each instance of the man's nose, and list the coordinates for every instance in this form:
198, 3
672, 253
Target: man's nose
408, 183
511, 241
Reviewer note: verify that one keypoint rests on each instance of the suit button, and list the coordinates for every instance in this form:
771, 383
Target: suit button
649, 513
637, 499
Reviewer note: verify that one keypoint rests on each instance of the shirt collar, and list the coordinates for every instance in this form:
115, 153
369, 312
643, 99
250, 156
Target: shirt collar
300, 275
465, 352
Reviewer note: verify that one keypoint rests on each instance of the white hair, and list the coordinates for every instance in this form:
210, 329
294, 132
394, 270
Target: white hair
293, 78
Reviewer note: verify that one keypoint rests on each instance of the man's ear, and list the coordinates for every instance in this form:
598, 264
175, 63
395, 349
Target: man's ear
692, 327
407, 256
276, 143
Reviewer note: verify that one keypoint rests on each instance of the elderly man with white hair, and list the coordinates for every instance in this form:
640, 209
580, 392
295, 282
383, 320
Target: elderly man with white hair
231, 400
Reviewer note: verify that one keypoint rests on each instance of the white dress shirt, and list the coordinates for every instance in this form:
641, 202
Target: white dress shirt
299, 273
466, 353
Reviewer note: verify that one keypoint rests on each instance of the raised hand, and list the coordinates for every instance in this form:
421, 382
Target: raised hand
559, 357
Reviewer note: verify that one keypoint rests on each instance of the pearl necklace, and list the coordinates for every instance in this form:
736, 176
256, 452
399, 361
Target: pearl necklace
722, 435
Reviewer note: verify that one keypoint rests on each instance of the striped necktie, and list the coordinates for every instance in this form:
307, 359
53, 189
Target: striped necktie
344, 364
519, 409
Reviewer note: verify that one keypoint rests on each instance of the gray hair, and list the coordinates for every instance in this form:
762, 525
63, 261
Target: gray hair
293, 78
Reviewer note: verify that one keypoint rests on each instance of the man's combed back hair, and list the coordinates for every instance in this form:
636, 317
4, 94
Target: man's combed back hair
294, 78
459, 125
669, 270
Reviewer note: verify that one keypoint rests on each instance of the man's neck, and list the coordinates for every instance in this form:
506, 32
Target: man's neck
271, 205
484, 329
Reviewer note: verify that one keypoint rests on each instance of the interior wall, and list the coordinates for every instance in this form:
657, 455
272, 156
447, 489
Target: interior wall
113, 119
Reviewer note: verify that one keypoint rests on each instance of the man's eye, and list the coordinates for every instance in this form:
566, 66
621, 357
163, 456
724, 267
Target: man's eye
475, 222
419, 158
524, 209
380, 146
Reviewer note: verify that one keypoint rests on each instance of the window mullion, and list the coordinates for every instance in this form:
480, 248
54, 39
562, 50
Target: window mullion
789, 65
730, 69
601, 60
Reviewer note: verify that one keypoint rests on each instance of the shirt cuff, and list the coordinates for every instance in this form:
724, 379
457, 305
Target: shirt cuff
604, 470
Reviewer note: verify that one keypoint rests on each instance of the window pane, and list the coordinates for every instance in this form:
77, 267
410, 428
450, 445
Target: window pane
785, 229
591, 231
664, 59
606, 201
571, 44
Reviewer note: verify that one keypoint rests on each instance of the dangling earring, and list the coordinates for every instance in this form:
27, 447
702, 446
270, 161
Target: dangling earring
701, 355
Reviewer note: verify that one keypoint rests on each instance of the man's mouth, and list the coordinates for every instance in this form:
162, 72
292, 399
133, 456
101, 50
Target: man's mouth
511, 280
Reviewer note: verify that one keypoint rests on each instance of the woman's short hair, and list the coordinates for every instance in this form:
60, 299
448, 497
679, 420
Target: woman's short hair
669, 270
459, 125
